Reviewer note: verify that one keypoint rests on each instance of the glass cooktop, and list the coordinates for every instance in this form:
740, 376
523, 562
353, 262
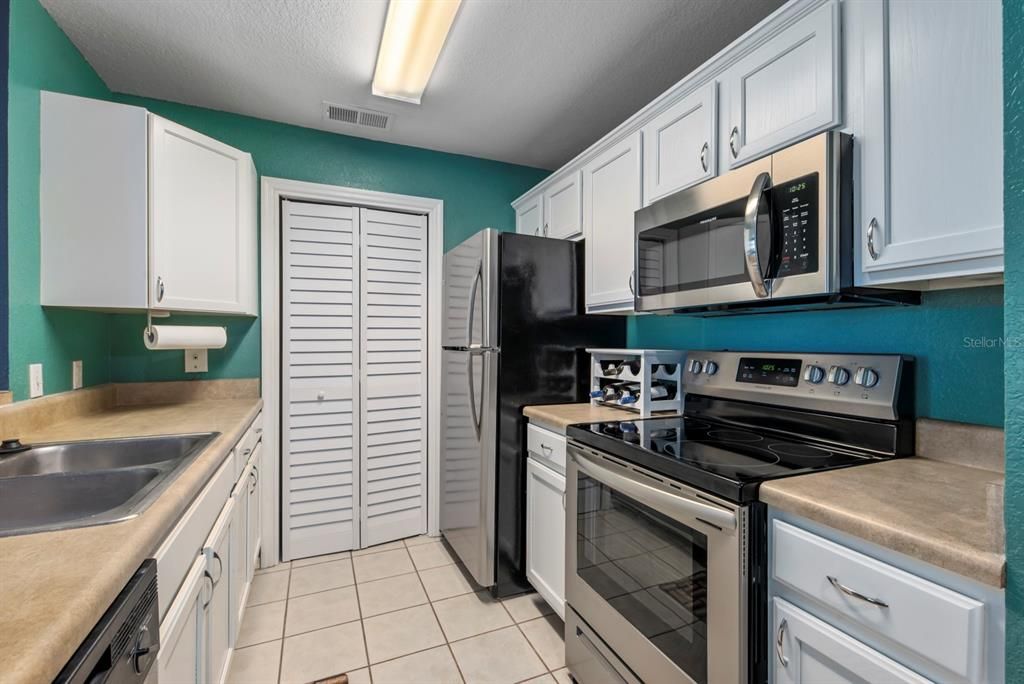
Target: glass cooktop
725, 460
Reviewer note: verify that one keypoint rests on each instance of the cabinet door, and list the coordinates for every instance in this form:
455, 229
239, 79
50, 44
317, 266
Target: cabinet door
681, 144
784, 90
530, 216
809, 651
545, 533
931, 140
562, 208
201, 228
254, 517
220, 621
239, 555
182, 633
611, 195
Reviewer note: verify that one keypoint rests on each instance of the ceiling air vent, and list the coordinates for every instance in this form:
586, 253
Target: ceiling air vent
356, 117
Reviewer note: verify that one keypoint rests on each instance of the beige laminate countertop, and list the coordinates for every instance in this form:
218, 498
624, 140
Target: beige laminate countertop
54, 586
558, 417
942, 513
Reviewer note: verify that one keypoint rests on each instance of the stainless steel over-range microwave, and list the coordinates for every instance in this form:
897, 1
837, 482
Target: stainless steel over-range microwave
776, 232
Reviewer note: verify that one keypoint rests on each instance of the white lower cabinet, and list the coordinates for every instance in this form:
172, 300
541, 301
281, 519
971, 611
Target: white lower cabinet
180, 660
809, 651
200, 624
545, 533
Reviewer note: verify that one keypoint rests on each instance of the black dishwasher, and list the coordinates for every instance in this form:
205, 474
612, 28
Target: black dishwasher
122, 647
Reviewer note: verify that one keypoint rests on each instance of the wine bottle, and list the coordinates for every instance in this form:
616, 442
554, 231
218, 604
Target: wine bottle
661, 391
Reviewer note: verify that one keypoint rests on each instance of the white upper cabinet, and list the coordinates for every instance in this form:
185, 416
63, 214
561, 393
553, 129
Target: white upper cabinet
530, 215
784, 90
930, 138
611, 195
681, 144
201, 222
563, 208
138, 213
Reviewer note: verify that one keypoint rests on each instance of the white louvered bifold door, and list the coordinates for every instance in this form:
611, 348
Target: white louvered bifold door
319, 353
393, 416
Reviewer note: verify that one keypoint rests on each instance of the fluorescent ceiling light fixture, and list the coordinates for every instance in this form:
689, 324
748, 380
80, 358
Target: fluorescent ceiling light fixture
414, 33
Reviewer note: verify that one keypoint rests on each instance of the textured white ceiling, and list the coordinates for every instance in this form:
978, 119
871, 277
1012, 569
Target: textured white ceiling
526, 81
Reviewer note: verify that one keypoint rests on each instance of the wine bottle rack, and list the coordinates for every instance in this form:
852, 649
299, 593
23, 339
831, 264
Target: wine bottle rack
641, 371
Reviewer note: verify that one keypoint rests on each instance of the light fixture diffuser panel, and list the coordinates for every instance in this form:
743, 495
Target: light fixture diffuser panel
414, 33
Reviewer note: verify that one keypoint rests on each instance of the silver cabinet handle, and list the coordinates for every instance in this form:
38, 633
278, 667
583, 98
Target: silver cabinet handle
750, 225
246, 452
159, 288
536, 231
632, 289
872, 234
545, 230
855, 594
258, 431
220, 568
779, 636
545, 448
734, 139
207, 575
704, 157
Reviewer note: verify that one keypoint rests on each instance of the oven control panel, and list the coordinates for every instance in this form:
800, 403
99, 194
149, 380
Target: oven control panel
867, 385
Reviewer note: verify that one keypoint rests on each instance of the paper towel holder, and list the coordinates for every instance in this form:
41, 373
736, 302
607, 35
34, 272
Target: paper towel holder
150, 315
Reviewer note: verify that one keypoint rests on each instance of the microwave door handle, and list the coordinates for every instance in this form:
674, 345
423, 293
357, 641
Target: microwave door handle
750, 231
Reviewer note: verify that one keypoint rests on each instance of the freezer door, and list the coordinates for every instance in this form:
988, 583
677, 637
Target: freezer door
471, 293
468, 422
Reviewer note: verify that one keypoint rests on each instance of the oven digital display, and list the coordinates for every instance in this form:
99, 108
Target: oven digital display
784, 372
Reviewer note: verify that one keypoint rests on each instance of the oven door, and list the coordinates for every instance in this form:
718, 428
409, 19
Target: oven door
656, 570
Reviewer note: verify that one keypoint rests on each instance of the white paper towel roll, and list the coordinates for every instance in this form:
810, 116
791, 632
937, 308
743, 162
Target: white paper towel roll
185, 337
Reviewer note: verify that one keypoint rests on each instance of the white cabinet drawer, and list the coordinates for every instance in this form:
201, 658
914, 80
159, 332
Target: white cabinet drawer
247, 444
546, 446
939, 624
185, 542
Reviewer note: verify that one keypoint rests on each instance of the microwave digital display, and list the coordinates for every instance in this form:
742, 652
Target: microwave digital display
765, 371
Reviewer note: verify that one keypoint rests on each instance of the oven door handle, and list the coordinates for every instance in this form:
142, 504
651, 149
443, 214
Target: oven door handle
652, 496
750, 231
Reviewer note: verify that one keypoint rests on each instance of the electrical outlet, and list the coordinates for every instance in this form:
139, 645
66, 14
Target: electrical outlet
35, 380
76, 375
196, 361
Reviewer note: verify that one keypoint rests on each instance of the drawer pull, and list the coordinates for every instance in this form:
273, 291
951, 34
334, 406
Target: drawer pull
545, 448
779, 636
855, 594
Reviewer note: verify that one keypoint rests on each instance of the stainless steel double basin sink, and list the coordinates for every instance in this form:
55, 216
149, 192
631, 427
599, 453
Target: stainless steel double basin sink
78, 484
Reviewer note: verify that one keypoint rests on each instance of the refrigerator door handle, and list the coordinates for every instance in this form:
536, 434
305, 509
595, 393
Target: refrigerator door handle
474, 416
477, 279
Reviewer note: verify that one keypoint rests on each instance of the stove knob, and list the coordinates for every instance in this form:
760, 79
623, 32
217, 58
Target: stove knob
814, 374
838, 375
710, 367
696, 367
866, 377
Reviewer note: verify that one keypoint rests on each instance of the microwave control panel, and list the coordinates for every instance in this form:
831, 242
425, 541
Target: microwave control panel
796, 202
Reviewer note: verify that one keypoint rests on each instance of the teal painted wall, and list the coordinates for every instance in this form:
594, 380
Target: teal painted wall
42, 57
1013, 191
954, 380
476, 194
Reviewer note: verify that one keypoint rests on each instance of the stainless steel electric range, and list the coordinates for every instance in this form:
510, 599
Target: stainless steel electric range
666, 541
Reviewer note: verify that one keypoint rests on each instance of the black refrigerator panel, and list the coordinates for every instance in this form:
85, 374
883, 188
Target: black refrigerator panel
543, 335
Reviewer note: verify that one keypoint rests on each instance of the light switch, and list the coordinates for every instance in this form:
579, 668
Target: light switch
196, 361
35, 380
76, 374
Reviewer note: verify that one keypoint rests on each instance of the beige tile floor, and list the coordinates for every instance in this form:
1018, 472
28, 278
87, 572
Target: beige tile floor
399, 613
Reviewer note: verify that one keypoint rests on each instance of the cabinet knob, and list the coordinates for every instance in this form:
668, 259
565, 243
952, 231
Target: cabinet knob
872, 236
704, 157
734, 139
321, 395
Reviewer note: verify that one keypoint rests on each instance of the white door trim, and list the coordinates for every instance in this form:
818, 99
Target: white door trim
272, 191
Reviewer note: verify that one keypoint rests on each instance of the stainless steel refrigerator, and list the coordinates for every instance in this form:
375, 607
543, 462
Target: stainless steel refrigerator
514, 335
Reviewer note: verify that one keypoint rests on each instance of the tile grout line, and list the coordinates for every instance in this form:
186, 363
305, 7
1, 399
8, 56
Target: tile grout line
447, 643
362, 623
284, 624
